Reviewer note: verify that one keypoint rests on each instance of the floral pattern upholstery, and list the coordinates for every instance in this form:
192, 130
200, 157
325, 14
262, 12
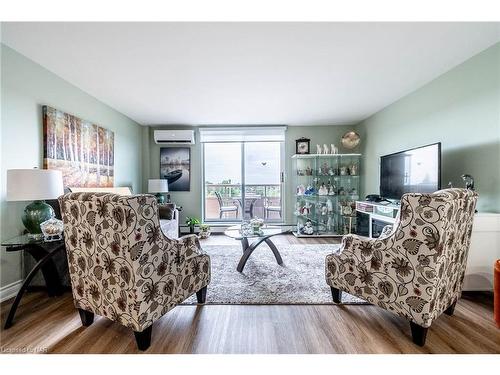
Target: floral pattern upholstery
121, 264
417, 269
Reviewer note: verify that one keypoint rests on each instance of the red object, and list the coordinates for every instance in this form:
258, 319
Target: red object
496, 297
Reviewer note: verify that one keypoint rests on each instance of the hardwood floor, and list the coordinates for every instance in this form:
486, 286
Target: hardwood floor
53, 325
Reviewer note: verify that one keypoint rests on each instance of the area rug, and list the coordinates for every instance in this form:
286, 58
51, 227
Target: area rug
300, 280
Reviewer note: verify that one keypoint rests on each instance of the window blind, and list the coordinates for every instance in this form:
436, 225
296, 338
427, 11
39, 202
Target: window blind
243, 134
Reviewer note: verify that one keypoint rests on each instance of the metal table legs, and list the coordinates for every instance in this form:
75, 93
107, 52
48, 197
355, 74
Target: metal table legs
50, 275
248, 250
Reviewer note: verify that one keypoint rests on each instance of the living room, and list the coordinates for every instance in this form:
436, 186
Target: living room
250, 188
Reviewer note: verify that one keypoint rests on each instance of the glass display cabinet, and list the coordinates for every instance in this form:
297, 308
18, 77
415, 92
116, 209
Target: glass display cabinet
326, 191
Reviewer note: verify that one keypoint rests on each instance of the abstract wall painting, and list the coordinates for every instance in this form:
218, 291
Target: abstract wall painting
83, 151
175, 166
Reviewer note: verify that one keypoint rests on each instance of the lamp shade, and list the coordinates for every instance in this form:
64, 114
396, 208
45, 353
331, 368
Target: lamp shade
157, 186
34, 184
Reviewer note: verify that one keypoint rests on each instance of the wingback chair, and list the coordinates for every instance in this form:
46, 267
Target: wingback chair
416, 270
122, 266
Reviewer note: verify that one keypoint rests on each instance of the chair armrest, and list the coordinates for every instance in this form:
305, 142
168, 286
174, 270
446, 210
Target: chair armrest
189, 245
358, 249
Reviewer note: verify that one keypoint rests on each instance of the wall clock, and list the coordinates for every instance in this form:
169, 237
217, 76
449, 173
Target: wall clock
302, 145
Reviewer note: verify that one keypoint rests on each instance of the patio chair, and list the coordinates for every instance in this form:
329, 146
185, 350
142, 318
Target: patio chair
268, 208
225, 209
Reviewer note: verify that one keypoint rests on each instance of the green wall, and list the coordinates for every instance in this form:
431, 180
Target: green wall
191, 201
25, 87
460, 109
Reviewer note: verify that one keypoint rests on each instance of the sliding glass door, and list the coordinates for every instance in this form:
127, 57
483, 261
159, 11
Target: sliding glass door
242, 180
262, 167
222, 181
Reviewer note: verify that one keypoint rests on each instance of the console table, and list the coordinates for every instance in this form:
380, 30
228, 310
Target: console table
43, 253
372, 217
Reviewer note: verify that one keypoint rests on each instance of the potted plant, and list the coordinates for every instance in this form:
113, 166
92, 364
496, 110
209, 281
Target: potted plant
191, 222
204, 231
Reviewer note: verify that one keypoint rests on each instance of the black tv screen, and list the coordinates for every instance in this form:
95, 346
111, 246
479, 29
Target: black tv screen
412, 171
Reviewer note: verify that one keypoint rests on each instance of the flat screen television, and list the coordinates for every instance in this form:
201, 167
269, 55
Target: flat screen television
417, 170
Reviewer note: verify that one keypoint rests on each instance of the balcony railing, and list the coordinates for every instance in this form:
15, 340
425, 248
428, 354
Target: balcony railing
261, 200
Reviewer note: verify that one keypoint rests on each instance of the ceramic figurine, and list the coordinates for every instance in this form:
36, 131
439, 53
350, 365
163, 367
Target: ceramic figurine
306, 210
324, 210
310, 190
325, 149
329, 205
309, 171
354, 170
301, 190
343, 171
308, 228
329, 224
323, 190
318, 149
324, 169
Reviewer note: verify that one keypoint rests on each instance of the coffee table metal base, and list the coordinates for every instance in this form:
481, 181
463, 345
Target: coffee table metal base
249, 248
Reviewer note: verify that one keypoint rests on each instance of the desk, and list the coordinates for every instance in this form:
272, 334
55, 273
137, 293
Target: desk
43, 252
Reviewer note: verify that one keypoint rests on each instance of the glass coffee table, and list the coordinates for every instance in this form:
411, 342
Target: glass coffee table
264, 236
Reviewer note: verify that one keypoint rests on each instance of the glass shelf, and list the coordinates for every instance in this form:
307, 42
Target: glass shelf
329, 214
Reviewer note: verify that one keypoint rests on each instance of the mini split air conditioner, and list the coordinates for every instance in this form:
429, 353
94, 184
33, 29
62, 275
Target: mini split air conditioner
174, 137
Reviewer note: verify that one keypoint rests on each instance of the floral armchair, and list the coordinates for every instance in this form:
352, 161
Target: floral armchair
121, 264
416, 270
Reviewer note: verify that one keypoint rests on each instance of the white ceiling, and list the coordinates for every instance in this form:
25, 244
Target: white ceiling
249, 73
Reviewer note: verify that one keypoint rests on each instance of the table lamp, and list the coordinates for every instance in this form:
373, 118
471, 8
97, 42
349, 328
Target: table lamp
158, 186
34, 185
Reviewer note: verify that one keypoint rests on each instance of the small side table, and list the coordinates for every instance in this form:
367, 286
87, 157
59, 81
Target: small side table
43, 252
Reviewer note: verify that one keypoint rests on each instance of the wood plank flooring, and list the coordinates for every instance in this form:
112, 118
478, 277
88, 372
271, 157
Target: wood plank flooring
53, 325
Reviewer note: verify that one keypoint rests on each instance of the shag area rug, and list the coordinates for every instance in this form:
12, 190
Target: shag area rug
300, 280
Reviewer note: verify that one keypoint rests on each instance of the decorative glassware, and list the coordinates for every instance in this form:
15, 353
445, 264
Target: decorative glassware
52, 229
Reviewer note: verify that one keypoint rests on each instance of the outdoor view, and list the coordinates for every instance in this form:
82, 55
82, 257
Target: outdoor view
226, 199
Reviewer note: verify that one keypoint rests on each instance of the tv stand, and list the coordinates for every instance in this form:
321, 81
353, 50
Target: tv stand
373, 217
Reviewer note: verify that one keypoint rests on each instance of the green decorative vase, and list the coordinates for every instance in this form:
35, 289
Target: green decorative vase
160, 198
35, 214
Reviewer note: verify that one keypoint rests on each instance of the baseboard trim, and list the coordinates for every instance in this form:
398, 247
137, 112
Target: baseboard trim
10, 290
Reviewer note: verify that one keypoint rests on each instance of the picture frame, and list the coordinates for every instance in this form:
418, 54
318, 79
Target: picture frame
175, 166
302, 146
83, 151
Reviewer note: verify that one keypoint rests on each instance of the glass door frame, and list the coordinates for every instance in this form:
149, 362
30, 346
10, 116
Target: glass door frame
243, 184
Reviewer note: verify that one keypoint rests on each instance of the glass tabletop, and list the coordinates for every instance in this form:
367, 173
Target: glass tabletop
25, 239
266, 230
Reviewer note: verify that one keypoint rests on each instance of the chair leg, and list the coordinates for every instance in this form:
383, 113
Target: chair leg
418, 334
143, 338
201, 295
87, 317
336, 295
451, 309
